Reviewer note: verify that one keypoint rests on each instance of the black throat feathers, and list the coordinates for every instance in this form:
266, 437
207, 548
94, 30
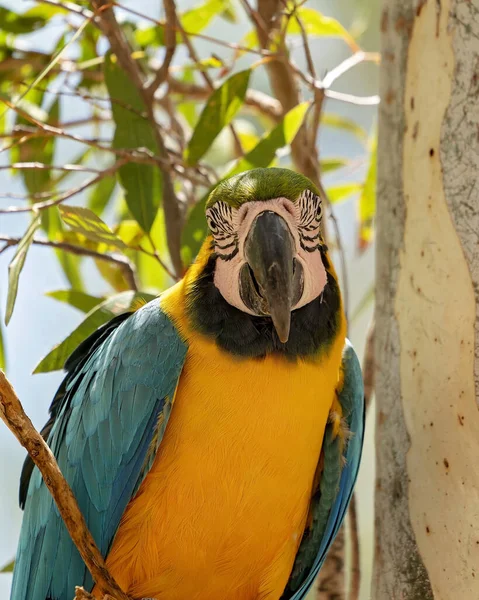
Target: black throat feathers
313, 326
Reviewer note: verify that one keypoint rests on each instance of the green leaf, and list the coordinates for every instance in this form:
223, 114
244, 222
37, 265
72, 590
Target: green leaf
97, 317
332, 164
3, 357
16, 265
55, 230
337, 193
220, 109
142, 183
78, 300
8, 568
85, 222
367, 200
317, 24
101, 194
262, 155
199, 17
12, 22
340, 122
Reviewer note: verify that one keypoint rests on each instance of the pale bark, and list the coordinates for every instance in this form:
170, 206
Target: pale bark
427, 496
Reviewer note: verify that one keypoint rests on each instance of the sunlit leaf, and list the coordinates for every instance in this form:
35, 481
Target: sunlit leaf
141, 182
282, 135
53, 226
340, 122
3, 357
84, 221
8, 568
112, 274
337, 193
332, 164
367, 200
317, 24
16, 265
151, 274
78, 300
97, 317
262, 155
199, 17
220, 109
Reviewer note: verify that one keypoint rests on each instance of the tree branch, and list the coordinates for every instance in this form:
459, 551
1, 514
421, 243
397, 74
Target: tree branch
170, 43
171, 206
122, 262
14, 417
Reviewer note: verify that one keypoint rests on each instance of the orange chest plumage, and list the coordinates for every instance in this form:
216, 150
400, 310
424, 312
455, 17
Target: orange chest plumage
222, 511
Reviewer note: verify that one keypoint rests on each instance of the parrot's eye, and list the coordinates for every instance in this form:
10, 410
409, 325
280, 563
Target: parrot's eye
220, 222
310, 215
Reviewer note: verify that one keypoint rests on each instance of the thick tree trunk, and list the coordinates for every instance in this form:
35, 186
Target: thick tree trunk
427, 380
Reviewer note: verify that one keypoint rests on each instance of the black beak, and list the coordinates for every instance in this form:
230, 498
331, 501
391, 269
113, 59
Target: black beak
271, 282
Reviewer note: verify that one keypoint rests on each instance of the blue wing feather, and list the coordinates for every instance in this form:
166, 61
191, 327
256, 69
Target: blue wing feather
101, 430
351, 398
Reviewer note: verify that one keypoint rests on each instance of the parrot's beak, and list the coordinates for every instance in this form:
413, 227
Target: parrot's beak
270, 283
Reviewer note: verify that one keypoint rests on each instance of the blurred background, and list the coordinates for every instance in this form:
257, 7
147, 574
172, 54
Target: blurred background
39, 321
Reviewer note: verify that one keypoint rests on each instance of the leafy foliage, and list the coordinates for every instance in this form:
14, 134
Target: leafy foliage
135, 151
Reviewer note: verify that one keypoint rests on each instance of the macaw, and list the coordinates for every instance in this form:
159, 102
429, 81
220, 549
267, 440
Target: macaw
212, 437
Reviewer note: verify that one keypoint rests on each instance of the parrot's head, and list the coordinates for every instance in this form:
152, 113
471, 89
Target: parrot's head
266, 263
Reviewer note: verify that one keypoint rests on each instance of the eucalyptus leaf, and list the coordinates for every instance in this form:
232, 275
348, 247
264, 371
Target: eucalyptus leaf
8, 568
332, 164
97, 317
16, 265
367, 200
85, 222
337, 193
3, 356
219, 111
316, 24
142, 183
78, 300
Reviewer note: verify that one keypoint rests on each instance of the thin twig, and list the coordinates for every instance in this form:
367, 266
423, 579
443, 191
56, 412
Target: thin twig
66, 194
120, 261
348, 64
14, 417
170, 46
355, 581
37, 166
351, 99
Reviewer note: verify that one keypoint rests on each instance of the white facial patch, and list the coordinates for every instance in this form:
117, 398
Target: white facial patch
230, 228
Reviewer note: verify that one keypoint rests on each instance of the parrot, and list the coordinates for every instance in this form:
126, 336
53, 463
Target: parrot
213, 436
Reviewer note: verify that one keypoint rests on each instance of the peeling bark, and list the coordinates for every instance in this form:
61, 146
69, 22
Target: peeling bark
427, 379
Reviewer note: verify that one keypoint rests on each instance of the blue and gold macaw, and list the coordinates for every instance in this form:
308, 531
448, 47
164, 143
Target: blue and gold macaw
212, 437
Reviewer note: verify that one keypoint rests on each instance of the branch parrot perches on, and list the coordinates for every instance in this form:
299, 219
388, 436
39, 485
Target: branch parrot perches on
212, 438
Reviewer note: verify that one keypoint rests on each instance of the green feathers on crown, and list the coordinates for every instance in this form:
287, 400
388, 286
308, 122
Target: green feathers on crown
260, 184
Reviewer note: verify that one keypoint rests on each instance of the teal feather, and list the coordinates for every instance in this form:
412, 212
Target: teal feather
104, 424
340, 469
